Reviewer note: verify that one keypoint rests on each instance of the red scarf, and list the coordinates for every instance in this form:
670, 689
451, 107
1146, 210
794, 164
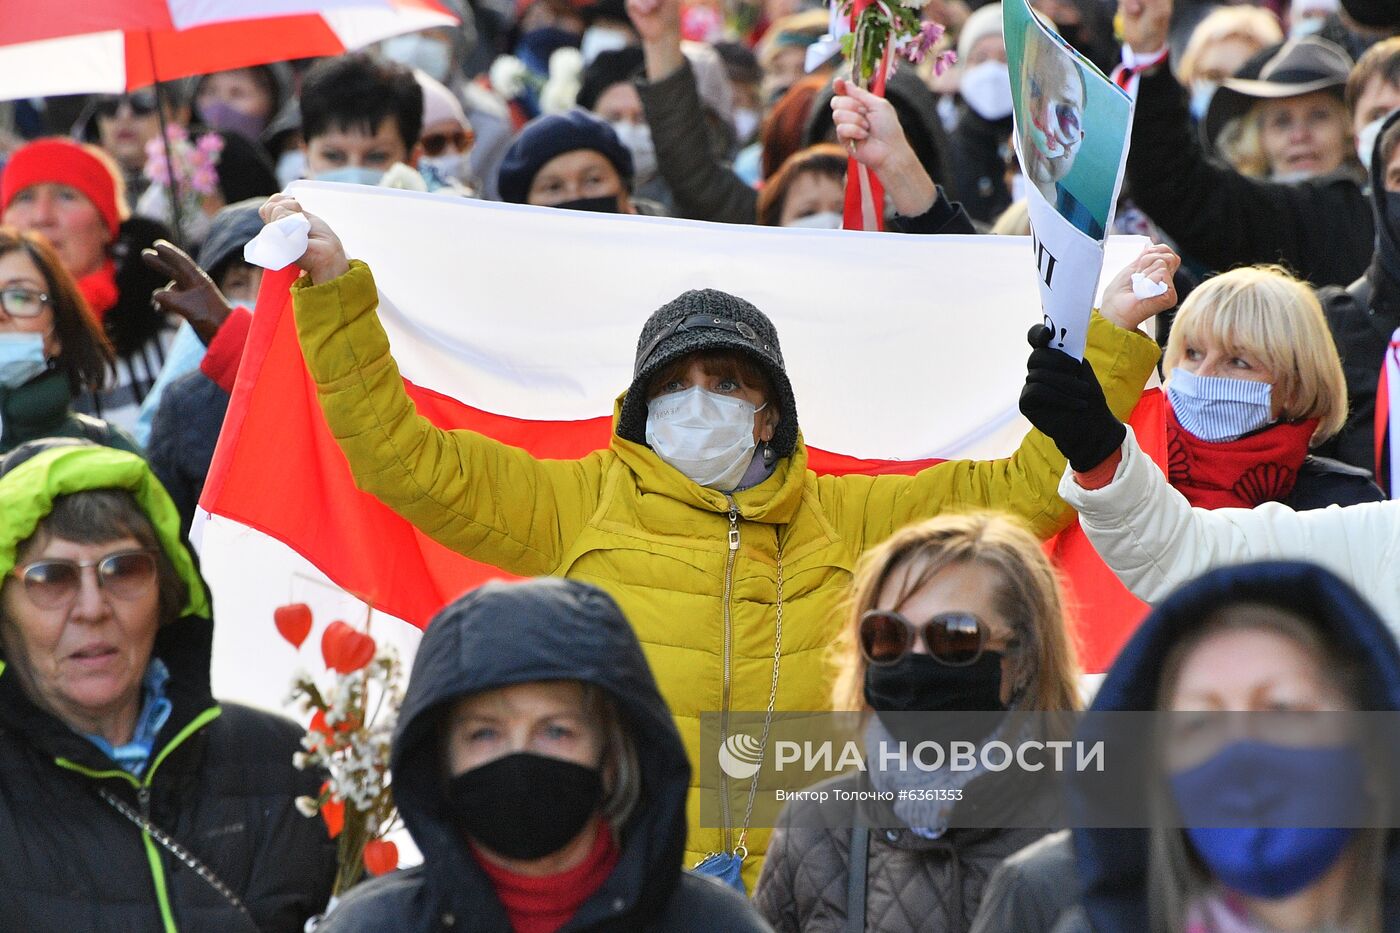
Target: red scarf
1259, 467
546, 903
100, 290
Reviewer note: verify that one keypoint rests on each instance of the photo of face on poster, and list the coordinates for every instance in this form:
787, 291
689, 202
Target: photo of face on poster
1054, 91
1071, 123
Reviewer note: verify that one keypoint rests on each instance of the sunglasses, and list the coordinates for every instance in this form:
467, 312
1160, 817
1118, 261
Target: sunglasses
142, 105
22, 302
53, 583
956, 639
434, 144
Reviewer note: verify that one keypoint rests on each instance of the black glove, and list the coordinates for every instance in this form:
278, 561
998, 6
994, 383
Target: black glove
1062, 398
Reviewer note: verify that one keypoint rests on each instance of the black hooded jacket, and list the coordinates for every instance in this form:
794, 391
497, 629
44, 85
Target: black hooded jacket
1362, 317
503, 634
1112, 864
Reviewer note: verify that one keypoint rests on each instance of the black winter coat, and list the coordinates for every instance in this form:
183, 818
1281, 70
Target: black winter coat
220, 782
184, 433
1322, 228
979, 150
498, 635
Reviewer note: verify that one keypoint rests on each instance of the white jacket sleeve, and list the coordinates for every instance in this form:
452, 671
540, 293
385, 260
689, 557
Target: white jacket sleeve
1152, 538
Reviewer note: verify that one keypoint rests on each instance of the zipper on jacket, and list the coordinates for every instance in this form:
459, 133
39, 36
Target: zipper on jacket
143, 797
727, 660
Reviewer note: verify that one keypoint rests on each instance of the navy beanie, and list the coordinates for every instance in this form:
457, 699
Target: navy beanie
549, 136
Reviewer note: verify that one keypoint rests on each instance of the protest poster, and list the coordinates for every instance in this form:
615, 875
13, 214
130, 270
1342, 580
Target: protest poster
1072, 127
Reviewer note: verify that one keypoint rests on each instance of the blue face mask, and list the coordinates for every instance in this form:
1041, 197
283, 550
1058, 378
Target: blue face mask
1217, 409
21, 358
1201, 93
352, 175
1237, 807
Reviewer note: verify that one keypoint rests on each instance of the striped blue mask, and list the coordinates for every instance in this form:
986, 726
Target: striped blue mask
1217, 409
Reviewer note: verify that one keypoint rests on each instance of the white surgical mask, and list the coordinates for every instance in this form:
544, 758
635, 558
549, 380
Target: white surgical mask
1201, 93
746, 123
1306, 27
439, 171
291, 165
1366, 140
353, 175
826, 220
637, 138
1218, 408
599, 39
987, 90
21, 358
705, 435
418, 51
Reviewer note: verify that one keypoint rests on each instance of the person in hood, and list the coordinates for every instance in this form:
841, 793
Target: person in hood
51, 349
540, 775
137, 800
1321, 228
1365, 315
959, 613
1270, 639
701, 516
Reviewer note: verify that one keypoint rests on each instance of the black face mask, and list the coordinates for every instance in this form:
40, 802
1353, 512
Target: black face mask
608, 205
916, 683
524, 806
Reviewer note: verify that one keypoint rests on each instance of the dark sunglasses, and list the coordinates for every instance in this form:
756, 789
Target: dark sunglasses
956, 639
53, 583
435, 144
142, 105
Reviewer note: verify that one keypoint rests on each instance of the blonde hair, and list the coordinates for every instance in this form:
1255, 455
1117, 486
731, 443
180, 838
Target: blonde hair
1246, 23
1015, 220
1044, 664
1270, 315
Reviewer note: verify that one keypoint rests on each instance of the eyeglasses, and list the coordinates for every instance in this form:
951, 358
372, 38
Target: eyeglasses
22, 302
435, 144
142, 104
53, 583
956, 639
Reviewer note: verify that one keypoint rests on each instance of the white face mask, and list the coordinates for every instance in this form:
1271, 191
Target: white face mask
353, 175
21, 358
291, 165
1202, 90
987, 90
1306, 27
418, 51
746, 123
705, 435
637, 138
826, 220
1366, 140
441, 170
599, 39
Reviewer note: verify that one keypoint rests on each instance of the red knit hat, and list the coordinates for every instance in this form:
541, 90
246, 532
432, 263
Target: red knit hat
61, 162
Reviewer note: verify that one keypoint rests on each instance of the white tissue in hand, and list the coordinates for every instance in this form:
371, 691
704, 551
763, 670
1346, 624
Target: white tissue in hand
280, 243
1144, 288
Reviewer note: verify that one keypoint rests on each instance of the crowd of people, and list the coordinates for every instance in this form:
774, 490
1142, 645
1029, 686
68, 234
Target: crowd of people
546, 757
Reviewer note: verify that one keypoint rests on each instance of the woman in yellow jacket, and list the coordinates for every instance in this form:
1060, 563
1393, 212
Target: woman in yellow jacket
729, 556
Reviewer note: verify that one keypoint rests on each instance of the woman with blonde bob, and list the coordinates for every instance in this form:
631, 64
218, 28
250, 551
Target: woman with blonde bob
1253, 383
957, 615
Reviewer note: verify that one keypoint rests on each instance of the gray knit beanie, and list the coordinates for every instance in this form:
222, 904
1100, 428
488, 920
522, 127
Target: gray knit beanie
707, 319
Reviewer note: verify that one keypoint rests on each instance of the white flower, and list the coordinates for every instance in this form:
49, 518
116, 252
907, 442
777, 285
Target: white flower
507, 76
299, 760
307, 806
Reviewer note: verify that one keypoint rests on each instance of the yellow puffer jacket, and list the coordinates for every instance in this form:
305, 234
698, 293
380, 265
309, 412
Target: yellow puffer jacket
695, 571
